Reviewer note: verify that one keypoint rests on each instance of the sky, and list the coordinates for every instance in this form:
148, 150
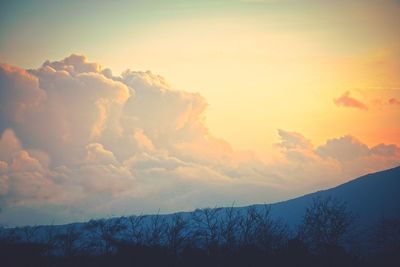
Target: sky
111, 108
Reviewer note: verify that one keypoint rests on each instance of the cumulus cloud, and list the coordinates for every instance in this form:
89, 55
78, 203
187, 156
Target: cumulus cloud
346, 100
333, 162
21, 94
343, 148
9, 145
294, 144
301, 166
356, 158
23, 177
78, 141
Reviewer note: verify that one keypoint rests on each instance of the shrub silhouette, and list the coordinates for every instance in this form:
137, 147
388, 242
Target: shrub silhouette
207, 237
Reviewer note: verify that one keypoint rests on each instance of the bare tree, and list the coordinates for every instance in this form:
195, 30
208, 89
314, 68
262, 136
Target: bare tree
49, 238
271, 234
136, 229
177, 233
29, 233
104, 234
9, 235
258, 228
229, 227
206, 225
68, 241
155, 230
325, 223
247, 226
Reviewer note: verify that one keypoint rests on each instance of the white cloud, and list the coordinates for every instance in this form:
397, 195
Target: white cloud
343, 149
356, 158
98, 155
19, 95
75, 136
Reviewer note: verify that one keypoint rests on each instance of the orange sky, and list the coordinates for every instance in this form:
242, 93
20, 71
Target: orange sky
260, 65
231, 100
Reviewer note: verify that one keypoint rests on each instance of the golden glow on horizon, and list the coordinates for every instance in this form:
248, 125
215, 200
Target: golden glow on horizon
277, 67
257, 80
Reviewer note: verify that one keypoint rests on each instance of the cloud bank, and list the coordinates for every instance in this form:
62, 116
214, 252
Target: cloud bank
79, 142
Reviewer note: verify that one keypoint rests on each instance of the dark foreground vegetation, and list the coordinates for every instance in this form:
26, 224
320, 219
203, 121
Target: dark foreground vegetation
328, 236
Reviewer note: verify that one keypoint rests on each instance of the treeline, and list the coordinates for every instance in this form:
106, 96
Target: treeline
327, 236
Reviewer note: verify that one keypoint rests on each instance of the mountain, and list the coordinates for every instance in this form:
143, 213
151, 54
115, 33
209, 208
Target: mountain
368, 198
242, 236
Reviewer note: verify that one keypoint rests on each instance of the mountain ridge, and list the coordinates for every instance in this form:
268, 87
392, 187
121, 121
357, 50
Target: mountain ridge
368, 197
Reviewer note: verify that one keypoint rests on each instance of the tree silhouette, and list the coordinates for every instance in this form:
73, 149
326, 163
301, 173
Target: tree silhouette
104, 235
136, 230
205, 222
325, 224
229, 227
68, 241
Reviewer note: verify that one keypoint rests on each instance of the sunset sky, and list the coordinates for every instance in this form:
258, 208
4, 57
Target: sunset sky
120, 107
